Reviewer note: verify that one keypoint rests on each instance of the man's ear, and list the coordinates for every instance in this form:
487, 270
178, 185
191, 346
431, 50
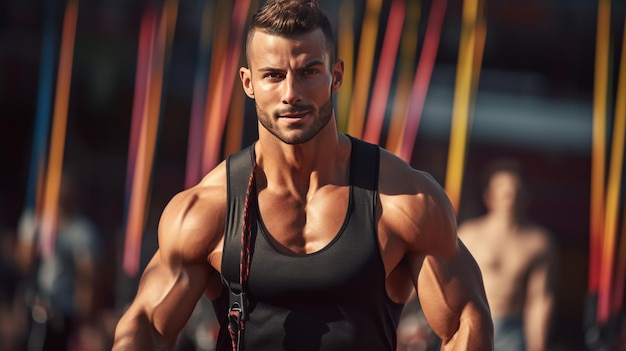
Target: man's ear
337, 75
246, 81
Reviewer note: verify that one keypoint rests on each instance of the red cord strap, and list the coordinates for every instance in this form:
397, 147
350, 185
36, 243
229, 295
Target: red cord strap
238, 311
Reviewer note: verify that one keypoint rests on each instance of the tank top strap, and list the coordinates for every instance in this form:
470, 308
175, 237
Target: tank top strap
364, 166
238, 169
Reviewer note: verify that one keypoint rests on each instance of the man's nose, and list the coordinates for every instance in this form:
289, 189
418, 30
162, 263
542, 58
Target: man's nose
291, 90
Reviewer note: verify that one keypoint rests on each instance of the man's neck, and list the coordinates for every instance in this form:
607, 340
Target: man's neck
322, 160
503, 219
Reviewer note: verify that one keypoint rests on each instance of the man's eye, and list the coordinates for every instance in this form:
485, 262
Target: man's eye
310, 71
273, 75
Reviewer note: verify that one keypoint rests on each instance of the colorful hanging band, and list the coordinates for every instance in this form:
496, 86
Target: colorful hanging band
462, 110
612, 200
346, 52
406, 70
59, 129
221, 96
364, 63
598, 152
43, 113
422, 77
386, 66
198, 104
620, 124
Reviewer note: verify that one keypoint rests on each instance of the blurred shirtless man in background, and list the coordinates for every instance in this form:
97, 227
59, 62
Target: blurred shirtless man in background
516, 258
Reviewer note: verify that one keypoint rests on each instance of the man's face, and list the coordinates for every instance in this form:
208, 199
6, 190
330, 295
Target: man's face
503, 192
291, 81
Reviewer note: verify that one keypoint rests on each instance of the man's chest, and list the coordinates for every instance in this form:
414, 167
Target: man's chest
303, 225
503, 260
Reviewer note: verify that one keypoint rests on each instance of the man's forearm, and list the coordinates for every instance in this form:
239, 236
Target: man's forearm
537, 324
474, 334
136, 333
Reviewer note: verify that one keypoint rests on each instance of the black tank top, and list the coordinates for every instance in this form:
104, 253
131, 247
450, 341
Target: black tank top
332, 299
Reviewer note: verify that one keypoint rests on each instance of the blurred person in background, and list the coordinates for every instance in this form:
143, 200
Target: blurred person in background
61, 284
517, 260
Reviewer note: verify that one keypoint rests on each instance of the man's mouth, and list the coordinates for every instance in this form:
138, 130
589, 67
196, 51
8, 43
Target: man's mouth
298, 114
294, 112
295, 115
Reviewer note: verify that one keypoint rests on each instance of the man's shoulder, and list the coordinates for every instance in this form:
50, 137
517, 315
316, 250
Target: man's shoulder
407, 190
538, 237
415, 206
401, 177
199, 209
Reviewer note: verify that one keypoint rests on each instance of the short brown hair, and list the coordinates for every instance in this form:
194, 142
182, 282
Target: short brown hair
292, 17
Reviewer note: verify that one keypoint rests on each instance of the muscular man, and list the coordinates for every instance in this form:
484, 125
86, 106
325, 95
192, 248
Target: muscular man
516, 258
344, 231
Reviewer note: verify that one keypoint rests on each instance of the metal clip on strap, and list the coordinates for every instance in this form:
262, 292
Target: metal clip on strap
237, 315
238, 304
